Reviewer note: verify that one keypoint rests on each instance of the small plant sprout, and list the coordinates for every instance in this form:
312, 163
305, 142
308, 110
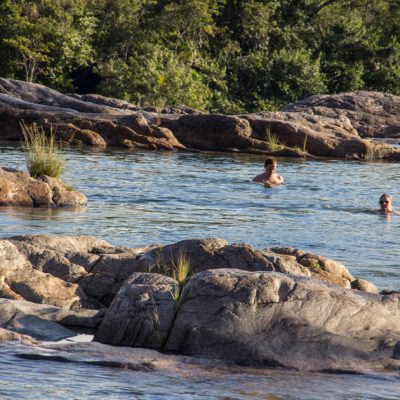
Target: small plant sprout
181, 268
305, 144
42, 153
272, 140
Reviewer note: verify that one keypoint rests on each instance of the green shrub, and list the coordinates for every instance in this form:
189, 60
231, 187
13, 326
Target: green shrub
42, 153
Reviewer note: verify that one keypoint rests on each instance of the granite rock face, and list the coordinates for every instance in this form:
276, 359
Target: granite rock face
19, 280
330, 126
18, 188
272, 319
372, 114
270, 307
142, 313
88, 272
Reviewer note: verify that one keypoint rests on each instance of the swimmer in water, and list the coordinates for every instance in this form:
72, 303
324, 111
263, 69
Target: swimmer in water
269, 178
386, 204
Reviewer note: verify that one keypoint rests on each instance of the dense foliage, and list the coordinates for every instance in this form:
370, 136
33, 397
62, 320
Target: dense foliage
215, 55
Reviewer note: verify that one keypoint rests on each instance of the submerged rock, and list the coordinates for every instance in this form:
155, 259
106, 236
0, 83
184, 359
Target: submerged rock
18, 188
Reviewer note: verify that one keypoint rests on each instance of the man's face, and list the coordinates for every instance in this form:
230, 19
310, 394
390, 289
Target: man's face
386, 204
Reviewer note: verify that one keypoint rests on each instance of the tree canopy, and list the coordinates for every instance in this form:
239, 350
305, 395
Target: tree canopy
214, 55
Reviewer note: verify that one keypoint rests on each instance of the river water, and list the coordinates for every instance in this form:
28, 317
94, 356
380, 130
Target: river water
139, 198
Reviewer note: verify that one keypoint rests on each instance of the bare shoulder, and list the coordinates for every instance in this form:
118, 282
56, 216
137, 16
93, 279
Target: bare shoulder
259, 178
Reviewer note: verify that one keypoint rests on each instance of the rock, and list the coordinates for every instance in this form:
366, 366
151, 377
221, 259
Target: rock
137, 359
20, 279
330, 126
96, 270
44, 322
9, 336
38, 328
69, 133
89, 119
142, 312
20, 189
364, 286
92, 265
372, 114
316, 135
272, 319
216, 253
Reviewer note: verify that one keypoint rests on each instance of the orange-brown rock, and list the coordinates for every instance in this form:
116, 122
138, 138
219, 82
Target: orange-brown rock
18, 188
323, 126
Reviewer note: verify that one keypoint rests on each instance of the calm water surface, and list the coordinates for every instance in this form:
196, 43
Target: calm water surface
138, 198
53, 380
148, 197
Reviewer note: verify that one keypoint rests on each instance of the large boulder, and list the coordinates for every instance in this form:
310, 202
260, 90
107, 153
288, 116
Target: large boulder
205, 254
18, 188
272, 319
142, 313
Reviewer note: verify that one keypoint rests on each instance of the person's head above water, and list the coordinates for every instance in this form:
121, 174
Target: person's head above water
386, 203
270, 163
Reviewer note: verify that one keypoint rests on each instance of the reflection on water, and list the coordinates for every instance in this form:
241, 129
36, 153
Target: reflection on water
26, 379
138, 198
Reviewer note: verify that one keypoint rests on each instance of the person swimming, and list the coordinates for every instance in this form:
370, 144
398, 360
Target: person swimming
269, 178
386, 204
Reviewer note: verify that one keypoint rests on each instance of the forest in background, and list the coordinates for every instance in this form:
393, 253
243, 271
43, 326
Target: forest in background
225, 56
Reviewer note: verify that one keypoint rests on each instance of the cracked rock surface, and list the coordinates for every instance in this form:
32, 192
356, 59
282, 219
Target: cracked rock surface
272, 319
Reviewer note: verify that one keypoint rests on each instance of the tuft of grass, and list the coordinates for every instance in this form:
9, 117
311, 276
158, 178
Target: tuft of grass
177, 269
272, 141
42, 153
181, 268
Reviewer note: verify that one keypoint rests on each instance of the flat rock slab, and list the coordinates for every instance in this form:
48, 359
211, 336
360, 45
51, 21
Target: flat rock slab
44, 322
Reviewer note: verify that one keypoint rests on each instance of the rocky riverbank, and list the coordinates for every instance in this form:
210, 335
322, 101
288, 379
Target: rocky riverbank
238, 305
322, 126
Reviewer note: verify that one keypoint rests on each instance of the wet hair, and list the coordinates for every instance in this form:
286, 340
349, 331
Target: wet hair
385, 195
269, 162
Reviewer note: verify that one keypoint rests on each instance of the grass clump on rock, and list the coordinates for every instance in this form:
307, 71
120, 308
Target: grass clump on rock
42, 153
